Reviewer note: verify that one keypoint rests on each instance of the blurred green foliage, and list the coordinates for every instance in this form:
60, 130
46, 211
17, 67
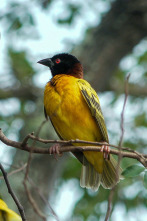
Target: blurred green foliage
17, 17
145, 179
132, 171
20, 66
73, 11
141, 120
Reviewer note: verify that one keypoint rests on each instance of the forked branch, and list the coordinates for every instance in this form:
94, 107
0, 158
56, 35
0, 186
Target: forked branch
89, 146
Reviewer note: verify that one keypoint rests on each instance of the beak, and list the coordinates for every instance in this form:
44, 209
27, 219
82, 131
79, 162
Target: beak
47, 62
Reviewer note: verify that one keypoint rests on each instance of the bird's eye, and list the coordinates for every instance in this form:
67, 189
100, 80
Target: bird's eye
57, 61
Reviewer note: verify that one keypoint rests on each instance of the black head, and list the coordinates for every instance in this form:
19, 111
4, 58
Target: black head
60, 63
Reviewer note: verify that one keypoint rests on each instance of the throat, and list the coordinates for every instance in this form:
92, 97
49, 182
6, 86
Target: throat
76, 71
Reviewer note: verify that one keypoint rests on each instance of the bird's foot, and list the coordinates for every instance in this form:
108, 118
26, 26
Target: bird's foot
55, 150
106, 151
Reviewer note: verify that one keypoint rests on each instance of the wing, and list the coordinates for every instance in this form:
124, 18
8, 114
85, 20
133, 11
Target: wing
92, 100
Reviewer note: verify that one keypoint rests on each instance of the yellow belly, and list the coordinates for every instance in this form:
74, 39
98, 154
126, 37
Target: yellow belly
71, 116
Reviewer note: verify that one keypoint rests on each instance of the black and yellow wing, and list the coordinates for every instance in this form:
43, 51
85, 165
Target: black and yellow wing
92, 100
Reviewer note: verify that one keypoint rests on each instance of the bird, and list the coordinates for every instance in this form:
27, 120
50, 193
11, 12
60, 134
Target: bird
7, 214
73, 107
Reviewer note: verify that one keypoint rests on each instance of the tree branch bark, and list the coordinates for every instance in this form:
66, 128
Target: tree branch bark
124, 26
134, 89
11, 192
68, 148
28, 93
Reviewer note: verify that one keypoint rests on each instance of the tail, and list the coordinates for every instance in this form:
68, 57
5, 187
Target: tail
90, 178
111, 173
110, 176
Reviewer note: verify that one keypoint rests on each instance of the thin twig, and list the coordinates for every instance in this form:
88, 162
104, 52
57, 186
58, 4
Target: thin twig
27, 148
15, 171
109, 208
33, 185
32, 147
33, 203
30, 197
123, 111
96, 146
32, 137
122, 123
24, 142
11, 192
43, 198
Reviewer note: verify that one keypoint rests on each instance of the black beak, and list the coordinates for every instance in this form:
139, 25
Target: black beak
47, 62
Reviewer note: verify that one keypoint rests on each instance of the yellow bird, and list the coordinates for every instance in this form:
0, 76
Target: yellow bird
7, 214
74, 109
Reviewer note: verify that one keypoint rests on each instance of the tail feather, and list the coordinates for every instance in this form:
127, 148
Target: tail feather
111, 173
110, 176
90, 178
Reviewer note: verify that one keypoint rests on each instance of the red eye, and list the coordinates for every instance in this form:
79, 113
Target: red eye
57, 61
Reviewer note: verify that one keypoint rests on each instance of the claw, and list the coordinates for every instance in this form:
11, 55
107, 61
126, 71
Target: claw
55, 150
106, 151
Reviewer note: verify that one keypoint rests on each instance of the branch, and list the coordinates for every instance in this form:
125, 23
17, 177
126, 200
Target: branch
15, 171
134, 89
28, 192
125, 152
19, 206
43, 197
28, 93
112, 191
36, 188
108, 44
108, 213
33, 203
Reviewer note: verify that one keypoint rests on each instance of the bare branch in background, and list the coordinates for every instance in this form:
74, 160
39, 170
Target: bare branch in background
11, 192
35, 187
28, 192
106, 44
28, 93
108, 213
33, 203
15, 171
33, 144
123, 111
43, 198
109, 208
134, 89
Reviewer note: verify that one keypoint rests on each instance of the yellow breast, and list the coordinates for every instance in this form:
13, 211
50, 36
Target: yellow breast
68, 110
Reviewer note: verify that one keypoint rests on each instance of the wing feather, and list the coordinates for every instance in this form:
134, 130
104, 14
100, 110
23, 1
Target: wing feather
92, 100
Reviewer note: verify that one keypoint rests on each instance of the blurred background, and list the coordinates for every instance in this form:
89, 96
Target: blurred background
109, 38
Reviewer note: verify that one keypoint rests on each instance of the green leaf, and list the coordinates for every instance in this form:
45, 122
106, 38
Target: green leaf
145, 179
132, 171
20, 65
